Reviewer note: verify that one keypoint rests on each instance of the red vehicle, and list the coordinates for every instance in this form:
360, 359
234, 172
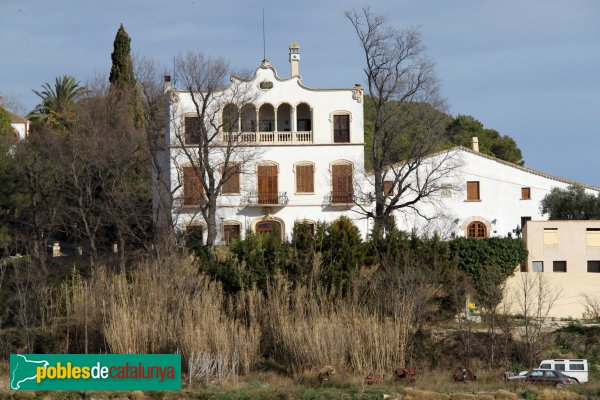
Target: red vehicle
548, 378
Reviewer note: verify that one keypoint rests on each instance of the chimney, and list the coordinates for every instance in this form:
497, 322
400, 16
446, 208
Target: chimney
295, 58
167, 85
475, 144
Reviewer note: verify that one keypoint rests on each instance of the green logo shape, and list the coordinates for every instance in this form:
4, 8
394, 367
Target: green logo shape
95, 372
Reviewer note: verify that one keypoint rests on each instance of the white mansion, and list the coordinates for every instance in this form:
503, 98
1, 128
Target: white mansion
301, 151
301, 158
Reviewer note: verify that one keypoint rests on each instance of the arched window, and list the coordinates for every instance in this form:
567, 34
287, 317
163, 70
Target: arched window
477, 229
248, 118
266, 118
231, 118
284, 117
303, 118
269, 227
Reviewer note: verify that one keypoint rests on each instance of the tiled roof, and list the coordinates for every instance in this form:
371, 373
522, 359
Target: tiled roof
512, 165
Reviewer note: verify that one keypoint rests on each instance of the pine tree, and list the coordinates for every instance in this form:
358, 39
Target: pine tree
121, 73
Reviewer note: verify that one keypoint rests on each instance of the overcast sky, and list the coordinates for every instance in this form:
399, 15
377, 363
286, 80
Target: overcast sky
527, 68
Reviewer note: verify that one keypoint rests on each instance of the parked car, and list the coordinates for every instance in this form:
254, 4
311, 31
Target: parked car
576, 369
547, 377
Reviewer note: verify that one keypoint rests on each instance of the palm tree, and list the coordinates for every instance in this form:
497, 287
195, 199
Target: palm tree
57, 106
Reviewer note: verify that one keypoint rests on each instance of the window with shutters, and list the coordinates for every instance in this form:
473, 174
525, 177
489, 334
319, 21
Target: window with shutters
477, 230
525, 193
192, 187
192, 130
231, 231
592, 237
193, 234
305, 177
550, 236
341, 177
341, 128
232, 180
388, 188
267, 184
473, 191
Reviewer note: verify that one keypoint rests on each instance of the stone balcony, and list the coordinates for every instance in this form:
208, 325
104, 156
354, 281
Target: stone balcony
268, 138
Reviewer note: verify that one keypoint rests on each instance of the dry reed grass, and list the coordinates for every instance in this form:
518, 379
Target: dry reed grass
505, 395
552, 394
167, 306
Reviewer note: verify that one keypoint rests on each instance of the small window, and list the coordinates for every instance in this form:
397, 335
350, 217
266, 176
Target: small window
550, 236
525, 193
388, 188
552, 374
231, 232
446, 190
545, 366
192, 130
473, 191
305, 178
232, 180
193, 191
559, 266
341, 128
576, 367
194, 233
593, 266
592, 237
477, 230
537, 266
559, 367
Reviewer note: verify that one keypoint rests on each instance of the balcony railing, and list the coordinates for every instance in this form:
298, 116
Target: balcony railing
268, 138
339, 198
263, 199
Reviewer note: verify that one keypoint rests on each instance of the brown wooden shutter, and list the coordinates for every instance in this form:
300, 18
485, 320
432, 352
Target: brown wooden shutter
525, 193
473, 190
192, 187
388, 188
341, 128
267, 184
305, 178
192, 130
342, 183
232, 185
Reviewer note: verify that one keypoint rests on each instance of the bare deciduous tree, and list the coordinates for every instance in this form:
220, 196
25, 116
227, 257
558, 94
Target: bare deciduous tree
535, 298
404, 105
216, 150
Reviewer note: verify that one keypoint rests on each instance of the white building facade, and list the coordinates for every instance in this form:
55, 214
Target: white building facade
300, 152
484, 197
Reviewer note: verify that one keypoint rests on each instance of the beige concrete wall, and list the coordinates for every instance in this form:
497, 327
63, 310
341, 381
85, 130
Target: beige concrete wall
572, 287
572, 245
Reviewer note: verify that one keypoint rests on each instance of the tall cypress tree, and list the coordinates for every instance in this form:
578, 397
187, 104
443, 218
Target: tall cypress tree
121, 73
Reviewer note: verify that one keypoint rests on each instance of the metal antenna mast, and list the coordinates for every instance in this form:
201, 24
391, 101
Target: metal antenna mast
264, 41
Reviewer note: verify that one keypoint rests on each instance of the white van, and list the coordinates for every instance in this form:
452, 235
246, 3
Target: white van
577, 369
